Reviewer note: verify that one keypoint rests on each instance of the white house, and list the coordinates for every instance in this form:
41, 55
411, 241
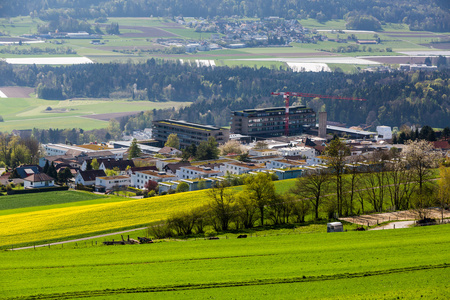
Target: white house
285, 163
191, 172
109, 182
140, 178
238, 168
315, 161
263, 152
38, 181
298, 151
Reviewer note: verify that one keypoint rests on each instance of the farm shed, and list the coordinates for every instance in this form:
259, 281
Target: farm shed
335, 227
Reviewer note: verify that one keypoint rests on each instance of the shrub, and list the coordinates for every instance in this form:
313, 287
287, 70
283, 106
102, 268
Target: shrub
182, 187
210, 232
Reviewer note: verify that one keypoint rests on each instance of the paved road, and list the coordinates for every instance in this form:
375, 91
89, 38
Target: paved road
81, 239
395, 225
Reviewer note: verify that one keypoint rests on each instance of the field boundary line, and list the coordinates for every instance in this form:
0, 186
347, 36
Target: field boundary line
79, 240
256, 282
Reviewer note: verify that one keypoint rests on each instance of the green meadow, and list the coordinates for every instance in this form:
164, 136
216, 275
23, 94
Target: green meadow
407, 263
28, 113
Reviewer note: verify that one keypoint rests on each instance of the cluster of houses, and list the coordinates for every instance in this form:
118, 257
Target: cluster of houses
90, 164
243, 33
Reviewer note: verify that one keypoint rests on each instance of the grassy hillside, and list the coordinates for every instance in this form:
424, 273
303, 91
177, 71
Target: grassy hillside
27, 113
408, 263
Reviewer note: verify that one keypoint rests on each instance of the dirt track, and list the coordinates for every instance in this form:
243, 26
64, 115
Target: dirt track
107, 117
398, 215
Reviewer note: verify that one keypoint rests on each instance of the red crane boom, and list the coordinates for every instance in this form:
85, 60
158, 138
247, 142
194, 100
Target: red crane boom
286, 96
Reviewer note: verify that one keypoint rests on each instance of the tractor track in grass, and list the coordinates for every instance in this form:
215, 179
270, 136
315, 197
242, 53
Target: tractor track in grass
211, 285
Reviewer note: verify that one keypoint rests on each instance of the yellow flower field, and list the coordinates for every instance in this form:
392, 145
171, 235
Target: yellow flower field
71, 221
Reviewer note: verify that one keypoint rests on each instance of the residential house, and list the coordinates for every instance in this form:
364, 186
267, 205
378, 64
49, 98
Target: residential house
27, 170
192, 172
307, 152
111, 182
172, 168
289, 173
133, 170
88, 177
140, 178
169, 151
38, 181
238, 168
284, 163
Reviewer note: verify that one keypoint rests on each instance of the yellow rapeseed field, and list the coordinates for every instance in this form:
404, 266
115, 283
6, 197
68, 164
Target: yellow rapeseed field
71, 221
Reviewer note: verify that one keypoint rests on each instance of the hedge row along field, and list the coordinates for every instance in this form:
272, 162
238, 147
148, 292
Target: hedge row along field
409, 263
63, 222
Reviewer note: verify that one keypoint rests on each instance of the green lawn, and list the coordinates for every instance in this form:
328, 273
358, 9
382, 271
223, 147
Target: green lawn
357, 265
44, 199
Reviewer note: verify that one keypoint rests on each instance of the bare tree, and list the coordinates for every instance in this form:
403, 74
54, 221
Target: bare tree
280, 208
400, 180
246, 211
222, 205
182, 222
261, 190
444, 189
421, 159
300, 210
353, 180
312, 187
374, 190
336, 153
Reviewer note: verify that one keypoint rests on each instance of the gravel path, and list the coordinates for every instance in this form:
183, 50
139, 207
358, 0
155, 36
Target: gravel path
395, 225
375, 219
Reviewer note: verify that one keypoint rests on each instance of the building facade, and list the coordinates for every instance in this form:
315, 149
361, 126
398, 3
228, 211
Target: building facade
270, 122
188, 133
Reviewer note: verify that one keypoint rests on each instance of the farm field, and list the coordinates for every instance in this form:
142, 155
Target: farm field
141, 34
66, 220
28, 113
357, 265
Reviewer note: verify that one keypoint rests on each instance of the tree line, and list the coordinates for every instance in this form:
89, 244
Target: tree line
419, 15
398, 182
392, 98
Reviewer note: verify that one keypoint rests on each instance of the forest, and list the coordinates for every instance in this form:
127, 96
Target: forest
418, 14
392, 99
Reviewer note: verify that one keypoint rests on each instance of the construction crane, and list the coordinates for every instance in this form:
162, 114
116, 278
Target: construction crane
286, 96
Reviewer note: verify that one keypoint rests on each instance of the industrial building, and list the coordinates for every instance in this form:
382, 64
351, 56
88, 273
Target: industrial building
270, 122
188, 133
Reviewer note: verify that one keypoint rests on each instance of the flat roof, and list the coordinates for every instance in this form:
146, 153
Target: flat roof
188, 124
252, 110
343, 129
145, 148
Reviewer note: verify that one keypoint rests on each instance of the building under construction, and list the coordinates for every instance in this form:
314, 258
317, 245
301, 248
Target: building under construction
270, 122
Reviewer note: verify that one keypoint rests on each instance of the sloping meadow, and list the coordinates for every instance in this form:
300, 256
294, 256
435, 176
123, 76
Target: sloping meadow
52, 224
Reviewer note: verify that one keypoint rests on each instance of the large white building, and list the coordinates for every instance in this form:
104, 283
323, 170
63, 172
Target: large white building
306, 152
140, 178
192, 172
238, 168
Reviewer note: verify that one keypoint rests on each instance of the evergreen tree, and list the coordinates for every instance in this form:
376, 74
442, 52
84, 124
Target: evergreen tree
52, 171
208, 149
47, 165
134, 150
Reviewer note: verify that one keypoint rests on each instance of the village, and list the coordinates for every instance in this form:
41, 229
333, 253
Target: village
147, 167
